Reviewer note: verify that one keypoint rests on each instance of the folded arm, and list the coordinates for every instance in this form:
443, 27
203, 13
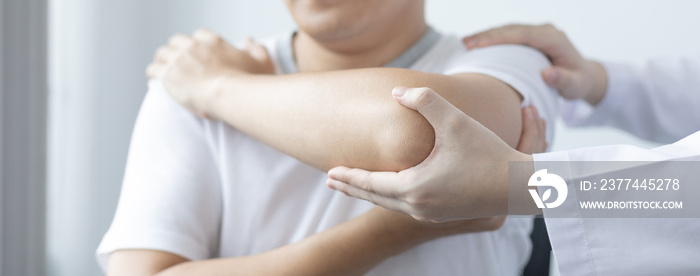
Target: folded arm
349, 117
325, 119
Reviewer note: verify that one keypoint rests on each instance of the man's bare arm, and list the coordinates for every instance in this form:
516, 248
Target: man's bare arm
350, 118
352, 248
325, 119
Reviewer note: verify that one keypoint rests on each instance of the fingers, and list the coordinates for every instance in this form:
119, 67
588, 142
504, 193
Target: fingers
570, 74
385, 184
509, 34
375, 187
440, 113
155, 70
543, 130
533, 138
257, 51
349, 190
564, 80
545, 38
529, 133
205, 35
180, 41
165, 54
535, 36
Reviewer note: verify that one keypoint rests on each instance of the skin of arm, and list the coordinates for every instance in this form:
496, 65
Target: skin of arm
352, 248
325, 119
328, 119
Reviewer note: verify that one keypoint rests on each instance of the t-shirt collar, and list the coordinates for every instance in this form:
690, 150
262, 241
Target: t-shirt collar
288, 63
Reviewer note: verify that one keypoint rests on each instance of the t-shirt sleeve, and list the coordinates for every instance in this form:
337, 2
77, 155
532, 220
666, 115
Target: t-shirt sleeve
170, 199
518, 66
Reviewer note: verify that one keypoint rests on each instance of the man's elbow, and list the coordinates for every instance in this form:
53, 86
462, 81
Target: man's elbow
407, 141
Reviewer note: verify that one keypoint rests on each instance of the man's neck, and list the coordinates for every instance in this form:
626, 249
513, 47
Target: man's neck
369, 50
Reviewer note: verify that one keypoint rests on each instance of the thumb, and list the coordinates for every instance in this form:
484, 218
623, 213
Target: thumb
566, 81
431, 105
257, 51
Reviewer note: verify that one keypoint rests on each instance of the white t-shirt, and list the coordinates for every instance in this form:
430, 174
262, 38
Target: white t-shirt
202, 189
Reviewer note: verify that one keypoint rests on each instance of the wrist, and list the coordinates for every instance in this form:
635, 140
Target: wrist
214, 98
516, 156
599, 82
404, 229
518, 198
509, 175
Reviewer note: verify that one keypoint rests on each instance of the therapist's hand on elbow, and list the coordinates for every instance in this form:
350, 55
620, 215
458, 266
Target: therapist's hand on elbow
574, 76
465, 176
190, 66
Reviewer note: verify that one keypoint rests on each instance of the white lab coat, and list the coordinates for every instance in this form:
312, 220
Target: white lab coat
659, 102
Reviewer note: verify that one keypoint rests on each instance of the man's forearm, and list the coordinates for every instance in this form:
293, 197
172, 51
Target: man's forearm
349, 117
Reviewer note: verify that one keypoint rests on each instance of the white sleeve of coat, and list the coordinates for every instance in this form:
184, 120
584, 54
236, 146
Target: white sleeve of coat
605, 246
659, 101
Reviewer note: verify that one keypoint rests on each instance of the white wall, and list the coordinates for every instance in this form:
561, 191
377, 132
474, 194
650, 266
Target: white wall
99, 50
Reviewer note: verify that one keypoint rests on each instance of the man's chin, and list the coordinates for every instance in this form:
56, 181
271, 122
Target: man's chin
332, 32
331, 2
322, 3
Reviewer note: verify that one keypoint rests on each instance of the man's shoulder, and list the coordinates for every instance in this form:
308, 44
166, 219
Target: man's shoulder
457, 55
518, 55
449, 53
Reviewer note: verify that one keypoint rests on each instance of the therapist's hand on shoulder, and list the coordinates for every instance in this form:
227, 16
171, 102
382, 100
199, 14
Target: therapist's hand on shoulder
449, 184
574, 76
190, 66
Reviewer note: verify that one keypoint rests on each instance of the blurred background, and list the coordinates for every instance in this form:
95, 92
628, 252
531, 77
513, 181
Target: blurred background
83, 67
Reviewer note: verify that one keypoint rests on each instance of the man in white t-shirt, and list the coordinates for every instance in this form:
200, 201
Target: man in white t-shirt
229, 194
